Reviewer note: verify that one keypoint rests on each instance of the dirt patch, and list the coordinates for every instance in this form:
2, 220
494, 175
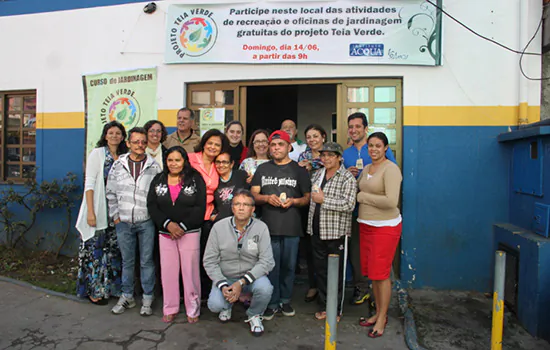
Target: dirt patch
42, 269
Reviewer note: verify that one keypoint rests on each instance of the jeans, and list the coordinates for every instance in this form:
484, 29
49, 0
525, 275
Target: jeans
359, 281
285, 253
127, 235
261, 290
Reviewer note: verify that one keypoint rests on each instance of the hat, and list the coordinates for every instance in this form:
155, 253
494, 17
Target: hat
332, 147
279, 134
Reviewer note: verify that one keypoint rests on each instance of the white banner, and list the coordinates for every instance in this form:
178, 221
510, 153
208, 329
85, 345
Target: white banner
335, 32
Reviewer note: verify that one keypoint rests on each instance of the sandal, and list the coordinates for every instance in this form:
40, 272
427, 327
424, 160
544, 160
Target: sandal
168, 318
375, 334
100, 301
192, 319
322, 315
364, 322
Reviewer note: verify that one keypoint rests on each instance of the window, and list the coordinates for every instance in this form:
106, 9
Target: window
17, 135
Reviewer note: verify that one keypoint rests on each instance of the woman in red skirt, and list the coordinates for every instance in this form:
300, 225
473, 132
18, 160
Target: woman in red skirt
379, 226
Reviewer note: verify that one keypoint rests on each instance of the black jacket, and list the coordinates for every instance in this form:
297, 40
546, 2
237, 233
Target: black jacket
188, 209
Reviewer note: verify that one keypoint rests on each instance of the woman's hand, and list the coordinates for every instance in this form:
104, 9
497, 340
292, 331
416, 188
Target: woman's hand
249, 179
306, 164
91, 219
175, 230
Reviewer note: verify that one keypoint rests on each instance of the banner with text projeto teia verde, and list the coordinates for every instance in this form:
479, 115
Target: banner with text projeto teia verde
335, 32
129, 97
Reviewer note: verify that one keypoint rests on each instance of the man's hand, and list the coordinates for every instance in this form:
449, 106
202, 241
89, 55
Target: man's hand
236, 290
288, 203
91, 219
249, 179
175, 230
318, 197
116, 222
274, 200
354, 170
227, 293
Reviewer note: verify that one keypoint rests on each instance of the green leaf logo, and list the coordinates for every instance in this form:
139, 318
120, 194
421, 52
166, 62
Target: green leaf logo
122, 114
195, 35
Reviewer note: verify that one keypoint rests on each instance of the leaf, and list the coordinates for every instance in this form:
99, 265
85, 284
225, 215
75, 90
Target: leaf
195, 35
121, 115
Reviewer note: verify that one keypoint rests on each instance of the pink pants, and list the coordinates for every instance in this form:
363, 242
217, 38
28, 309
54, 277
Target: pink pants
182, 253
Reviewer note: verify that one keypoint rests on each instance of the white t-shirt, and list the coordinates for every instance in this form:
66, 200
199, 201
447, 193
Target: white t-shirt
296, 150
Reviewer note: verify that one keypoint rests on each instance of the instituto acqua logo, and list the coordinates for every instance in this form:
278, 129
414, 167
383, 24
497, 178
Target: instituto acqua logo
124, 108
193, 33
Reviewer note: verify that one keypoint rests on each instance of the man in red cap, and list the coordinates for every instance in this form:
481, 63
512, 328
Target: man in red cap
281, 186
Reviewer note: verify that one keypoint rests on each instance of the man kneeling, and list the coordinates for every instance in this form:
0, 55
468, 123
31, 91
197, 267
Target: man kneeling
237, 258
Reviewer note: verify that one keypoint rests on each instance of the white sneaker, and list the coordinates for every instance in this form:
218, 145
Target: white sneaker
256, 326
146, 309
122, 304
225, 315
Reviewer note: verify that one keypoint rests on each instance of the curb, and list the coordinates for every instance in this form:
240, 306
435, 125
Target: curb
43, 290
411, 337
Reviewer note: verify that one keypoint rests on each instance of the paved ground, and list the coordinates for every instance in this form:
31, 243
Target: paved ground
450, 320
34, 320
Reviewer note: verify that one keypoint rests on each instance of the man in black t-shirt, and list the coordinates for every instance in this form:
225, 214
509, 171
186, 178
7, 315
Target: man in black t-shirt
281, 186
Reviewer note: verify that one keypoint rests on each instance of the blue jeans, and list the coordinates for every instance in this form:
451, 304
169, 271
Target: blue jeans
285, 254
261, 290
127, 235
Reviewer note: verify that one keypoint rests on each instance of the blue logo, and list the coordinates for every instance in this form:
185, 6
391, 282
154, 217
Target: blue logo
371, 50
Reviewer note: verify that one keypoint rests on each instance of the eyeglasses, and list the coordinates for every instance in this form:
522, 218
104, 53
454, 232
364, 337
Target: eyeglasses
138, 142
222, 162
241, 205
260, 142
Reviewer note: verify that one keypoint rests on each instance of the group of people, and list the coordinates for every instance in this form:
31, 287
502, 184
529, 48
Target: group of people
230, 219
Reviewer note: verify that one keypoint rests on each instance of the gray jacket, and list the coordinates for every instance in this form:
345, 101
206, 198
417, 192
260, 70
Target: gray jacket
224, 260
127, 199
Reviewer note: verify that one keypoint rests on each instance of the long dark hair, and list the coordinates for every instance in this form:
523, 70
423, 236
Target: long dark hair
122, 148
251, 152
188, 172
379, 135
164, 133
210, 133
318, 128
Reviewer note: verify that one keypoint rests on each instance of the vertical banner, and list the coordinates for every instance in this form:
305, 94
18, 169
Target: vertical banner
129, 97
211, 118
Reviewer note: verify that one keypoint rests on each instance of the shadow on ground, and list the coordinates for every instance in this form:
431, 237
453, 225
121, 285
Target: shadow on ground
462, 320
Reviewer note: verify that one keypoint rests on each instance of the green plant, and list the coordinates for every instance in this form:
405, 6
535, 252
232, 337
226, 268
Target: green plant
36, 197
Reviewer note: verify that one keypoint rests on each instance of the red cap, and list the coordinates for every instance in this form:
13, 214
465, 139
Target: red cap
279, 134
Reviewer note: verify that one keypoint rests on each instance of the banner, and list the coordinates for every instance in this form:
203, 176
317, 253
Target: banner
336, 32
211, 118
129, 97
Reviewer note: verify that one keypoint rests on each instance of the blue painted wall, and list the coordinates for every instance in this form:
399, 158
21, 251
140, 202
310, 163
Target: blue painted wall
455, 187
23, 7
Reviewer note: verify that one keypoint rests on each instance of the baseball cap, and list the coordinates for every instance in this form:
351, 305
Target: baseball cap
279, 134
332, 147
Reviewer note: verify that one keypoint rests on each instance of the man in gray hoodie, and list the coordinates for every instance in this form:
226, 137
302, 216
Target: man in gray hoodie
127, 187
237, 258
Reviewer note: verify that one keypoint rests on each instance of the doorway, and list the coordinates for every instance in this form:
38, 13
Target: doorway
268, 106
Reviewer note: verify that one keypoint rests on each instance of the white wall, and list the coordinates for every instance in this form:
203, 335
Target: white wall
51, 51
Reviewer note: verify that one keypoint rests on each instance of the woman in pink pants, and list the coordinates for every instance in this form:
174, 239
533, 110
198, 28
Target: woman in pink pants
176, 203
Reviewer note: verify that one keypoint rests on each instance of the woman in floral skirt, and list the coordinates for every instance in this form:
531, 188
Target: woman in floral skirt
99, 259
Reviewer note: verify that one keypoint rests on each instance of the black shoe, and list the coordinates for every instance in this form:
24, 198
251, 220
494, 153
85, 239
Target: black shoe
288, 310
359, 297
309, 299
269, 314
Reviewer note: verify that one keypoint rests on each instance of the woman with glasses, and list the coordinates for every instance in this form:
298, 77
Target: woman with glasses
258, 150
99, 259
213, 142
176, 203
156, 135
230, 181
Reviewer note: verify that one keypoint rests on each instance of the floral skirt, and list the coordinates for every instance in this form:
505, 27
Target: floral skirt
99, 266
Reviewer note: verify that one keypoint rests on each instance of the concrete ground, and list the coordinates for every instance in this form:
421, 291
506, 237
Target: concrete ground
448, 320
34, 320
